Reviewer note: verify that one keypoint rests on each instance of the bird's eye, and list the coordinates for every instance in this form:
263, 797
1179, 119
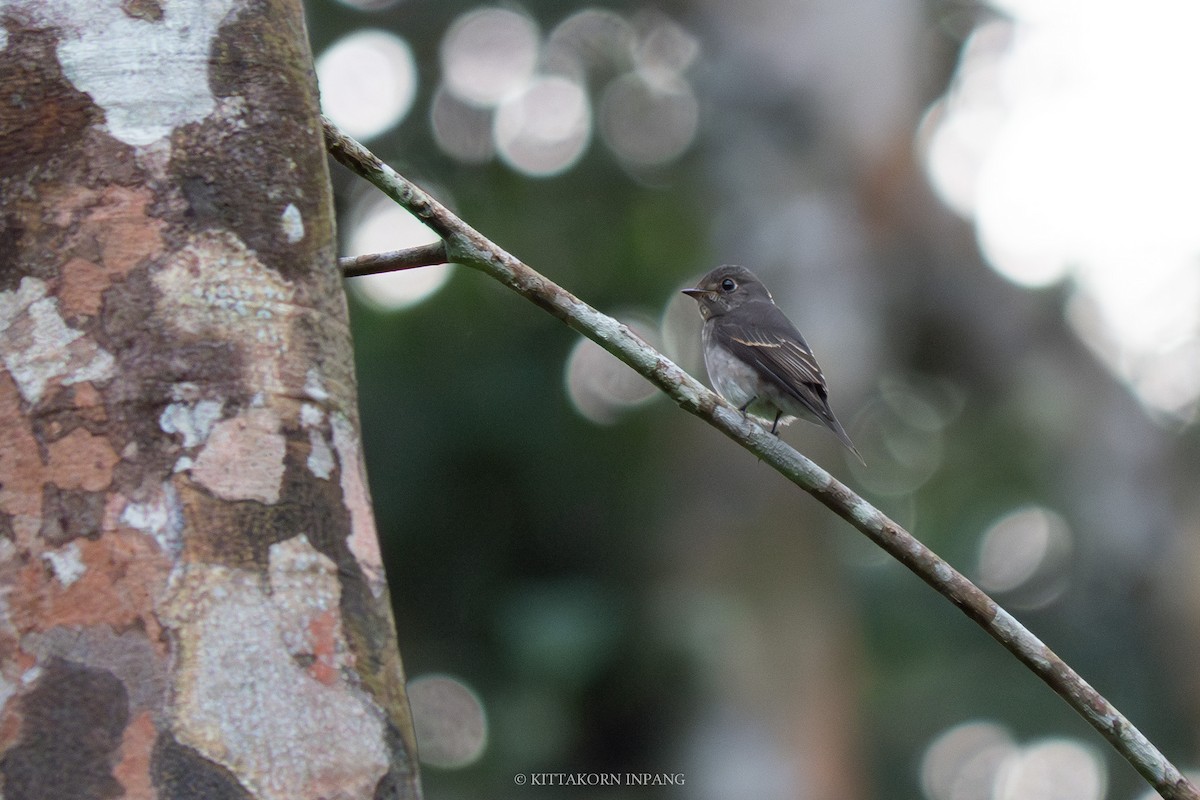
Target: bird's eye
728, 285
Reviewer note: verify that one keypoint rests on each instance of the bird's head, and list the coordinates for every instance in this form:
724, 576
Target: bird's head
726, 288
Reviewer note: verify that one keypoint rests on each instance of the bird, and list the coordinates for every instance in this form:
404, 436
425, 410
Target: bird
755, 357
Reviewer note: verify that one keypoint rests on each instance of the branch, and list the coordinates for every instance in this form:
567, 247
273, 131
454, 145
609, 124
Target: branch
466, 246
425, 255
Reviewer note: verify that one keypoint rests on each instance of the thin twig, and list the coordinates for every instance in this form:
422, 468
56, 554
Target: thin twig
468, 247
424, 255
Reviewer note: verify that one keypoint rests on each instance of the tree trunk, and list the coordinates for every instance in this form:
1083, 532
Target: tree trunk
193, 604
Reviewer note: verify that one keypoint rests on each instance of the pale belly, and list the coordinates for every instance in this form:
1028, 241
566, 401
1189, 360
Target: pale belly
740, 384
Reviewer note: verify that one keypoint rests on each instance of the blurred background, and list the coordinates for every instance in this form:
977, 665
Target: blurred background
985, 219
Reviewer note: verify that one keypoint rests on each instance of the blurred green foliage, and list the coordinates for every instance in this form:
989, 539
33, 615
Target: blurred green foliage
644, 596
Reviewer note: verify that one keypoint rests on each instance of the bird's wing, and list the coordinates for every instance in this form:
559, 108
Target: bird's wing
773, 345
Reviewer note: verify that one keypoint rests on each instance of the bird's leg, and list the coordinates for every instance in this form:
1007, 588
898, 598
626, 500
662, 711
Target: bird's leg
775, 425
746, 405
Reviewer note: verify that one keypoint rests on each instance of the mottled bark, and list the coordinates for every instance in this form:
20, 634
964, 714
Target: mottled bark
192, 603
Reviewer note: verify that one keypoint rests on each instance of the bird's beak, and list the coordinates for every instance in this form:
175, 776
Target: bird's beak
697, 293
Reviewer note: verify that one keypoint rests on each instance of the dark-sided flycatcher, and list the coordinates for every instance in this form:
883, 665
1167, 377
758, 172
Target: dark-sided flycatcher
756, 359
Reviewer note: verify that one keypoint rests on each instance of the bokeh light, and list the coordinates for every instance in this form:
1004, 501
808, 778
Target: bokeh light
1052, 769
505, 91
376, 224
600, 386
646, 124
449, 719
1068, 136
735, 756
596, 39
489, 54
649, 115
545, 129
979, 760
664, 50
462, 130
901, 433
368, 82
962, 763
1026, 554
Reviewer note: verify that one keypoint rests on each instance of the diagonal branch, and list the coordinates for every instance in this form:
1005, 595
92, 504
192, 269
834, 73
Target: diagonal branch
464, 245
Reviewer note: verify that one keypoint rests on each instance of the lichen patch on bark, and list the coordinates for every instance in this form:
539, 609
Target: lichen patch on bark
364, 539
159, 514
243, 701
306, 593
320, 460
127, 81
214, 286
65, 561
193, 420
253, 441
291, 223
38, 346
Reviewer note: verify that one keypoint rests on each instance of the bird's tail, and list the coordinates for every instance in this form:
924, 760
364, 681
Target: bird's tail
832, 422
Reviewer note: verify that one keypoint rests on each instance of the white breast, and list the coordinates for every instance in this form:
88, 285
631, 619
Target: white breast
732, 378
